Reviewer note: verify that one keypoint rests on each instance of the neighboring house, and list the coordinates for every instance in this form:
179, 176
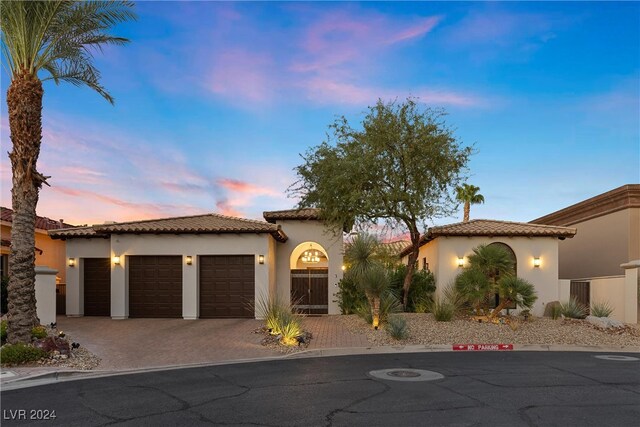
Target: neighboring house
600, 263
202, 266
49, 252
534, 248
608, 233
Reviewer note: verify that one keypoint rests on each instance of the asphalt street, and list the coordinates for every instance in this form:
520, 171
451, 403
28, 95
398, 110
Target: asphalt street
477, 388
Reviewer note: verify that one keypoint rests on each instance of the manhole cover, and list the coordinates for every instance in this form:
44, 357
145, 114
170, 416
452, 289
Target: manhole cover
403, 374
617, 358
406, 375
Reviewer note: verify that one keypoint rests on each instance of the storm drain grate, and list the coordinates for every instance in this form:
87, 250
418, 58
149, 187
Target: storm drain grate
402, 374
617, 358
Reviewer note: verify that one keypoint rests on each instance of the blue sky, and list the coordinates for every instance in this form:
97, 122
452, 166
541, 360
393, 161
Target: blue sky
216, 101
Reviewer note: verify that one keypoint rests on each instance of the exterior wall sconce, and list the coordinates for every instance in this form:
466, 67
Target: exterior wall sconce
189, 260
260, 259
344, 267
116, 260
460, 262
536, 262
72, 262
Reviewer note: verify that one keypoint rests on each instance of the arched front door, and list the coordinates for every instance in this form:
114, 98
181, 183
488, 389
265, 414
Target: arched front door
310, 279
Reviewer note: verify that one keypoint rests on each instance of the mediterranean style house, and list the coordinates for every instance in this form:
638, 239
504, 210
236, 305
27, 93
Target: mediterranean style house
203, 266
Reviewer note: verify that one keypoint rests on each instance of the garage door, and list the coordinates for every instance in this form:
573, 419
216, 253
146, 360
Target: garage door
155, 286
227, 286
97, 286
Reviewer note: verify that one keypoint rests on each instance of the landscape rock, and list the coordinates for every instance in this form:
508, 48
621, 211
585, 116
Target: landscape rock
550, 307
604, 322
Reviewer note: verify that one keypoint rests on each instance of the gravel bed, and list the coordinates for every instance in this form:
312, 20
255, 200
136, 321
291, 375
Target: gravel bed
425, 330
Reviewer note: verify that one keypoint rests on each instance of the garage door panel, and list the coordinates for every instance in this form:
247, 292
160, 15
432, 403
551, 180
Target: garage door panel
155, 286
227, 285
97, 286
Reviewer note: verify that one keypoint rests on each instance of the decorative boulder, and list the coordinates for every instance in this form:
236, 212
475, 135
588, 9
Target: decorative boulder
604, 322
550, 307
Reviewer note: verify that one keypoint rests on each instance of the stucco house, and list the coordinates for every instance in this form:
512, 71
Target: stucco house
601, 263
49, 252
203, 266
444, 251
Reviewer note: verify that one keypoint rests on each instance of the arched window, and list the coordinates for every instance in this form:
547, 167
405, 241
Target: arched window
510, 251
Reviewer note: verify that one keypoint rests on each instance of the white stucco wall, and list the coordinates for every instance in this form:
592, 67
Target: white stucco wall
302, 232
45, 288
80, 249
443, 252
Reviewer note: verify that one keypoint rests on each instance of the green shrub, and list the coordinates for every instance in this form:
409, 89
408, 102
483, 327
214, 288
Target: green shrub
273, 310
423, 285
350, 296
15, 354
290, 328
573, 309
397, 327
4, 295
39, 332
3, 332
423, 305
443, 310
601, 309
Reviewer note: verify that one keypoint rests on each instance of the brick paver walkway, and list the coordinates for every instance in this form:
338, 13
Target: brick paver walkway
330, 332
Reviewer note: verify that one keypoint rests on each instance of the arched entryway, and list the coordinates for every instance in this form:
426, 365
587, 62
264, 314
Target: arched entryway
512, 254
309, 266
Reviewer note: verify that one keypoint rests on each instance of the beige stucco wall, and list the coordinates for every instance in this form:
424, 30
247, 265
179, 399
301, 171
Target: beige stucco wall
304, 232
443, 252
53, 251
601, 245
610, 290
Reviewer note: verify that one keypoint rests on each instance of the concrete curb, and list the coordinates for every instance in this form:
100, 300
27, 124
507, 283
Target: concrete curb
73, 375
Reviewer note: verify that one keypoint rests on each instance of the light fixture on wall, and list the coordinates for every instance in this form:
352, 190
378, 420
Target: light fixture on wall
536, 262
189, 259
72, 262
116, 260
344, 267
460, 262
310, 256
260, 259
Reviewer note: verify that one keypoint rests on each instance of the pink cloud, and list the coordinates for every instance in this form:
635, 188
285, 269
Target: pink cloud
246, 187
225, 208
329, 91
242, 74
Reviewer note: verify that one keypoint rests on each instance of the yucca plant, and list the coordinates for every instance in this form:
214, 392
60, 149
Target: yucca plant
397, 327
44, 40
601, 309
290, 329
271, 309
573, 309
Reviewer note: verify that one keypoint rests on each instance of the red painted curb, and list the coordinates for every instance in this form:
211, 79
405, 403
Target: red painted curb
482, 347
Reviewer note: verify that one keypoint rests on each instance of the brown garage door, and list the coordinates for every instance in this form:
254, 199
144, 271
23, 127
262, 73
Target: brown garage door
227, 286
97, 286
155, 286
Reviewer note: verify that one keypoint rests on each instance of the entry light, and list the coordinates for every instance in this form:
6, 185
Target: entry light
536, 262
116, 260
189, 260
260, 259
460, 262
344, 267
72, 262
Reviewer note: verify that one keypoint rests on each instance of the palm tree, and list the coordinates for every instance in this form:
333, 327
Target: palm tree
367, 271
57, 38
513, 289
478, 283
468, 194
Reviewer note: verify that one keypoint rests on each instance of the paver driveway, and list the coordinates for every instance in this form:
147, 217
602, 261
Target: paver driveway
143, 343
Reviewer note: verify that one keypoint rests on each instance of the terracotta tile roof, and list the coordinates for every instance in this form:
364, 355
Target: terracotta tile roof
397, 246
197, 224
486, 227
42, 223
300, 214
65, 233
